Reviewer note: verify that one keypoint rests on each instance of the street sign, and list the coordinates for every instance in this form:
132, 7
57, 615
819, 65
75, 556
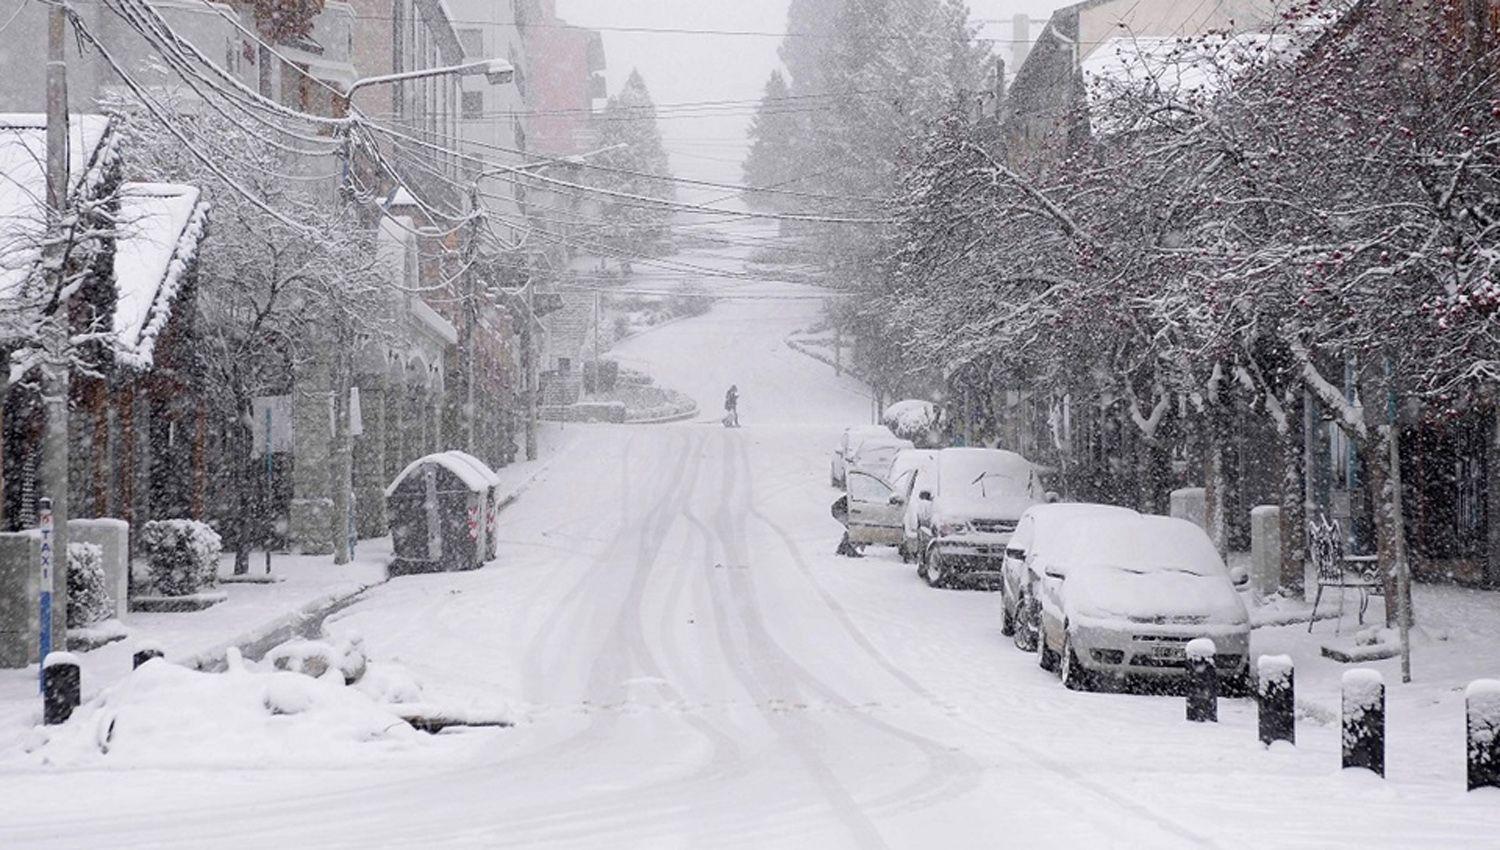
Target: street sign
44, 507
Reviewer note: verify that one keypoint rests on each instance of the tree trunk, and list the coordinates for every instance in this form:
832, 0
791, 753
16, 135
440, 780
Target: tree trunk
244, 447
1375, 457
339, 460
1294, 494
1215, 472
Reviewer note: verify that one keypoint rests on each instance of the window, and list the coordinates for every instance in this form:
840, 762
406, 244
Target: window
473, 105
564, 365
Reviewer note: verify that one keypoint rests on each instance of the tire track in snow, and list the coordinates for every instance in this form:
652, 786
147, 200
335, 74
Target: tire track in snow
947, 769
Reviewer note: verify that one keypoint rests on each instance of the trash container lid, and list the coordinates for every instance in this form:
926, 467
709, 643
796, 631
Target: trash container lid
468, 469
491, 479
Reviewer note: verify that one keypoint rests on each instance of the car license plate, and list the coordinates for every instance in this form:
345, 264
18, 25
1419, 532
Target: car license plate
1168, 652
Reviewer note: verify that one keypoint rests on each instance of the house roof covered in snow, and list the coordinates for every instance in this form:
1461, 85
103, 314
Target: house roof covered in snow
1177, 67
157, 234
23, 185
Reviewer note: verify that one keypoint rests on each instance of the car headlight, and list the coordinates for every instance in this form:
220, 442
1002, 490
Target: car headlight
947, 528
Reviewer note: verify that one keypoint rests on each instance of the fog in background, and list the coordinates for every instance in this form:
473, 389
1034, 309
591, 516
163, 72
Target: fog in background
693, 67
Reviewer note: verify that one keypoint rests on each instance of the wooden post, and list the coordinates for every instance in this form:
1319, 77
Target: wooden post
1276, 698
1203, 682
1364, 720
1482, 702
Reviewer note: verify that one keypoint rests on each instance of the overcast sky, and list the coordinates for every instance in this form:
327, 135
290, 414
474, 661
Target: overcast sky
687, 68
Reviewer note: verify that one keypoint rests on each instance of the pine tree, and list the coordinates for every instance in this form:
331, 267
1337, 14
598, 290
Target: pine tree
636, 164
808, 24
774, 132
896, 65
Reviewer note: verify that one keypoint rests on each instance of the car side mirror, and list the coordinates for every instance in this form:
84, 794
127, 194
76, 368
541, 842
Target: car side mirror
1053, 497
1054, 572
925, 496
898, 499
1239, 577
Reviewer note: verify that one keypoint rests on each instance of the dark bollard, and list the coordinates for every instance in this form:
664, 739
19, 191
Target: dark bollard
1364, 720
1203, 682
62, 687
1275, 694
144, 654
1483, 700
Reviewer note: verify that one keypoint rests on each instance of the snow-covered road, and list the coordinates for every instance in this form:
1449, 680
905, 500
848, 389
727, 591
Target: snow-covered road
692, 667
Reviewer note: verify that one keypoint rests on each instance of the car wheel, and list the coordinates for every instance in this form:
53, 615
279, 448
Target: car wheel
1045, 657
937, 576
1074, 676
1025, 626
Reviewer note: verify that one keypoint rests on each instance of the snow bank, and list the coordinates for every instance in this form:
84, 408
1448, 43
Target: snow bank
1272, 667
1362, 688
1483, 699
54, 659
1200, 648
165, 715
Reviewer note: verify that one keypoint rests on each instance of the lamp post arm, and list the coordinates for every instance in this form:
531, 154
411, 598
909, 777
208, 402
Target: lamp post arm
498, 68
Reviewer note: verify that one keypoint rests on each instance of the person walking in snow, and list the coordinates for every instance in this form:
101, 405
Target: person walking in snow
732, 407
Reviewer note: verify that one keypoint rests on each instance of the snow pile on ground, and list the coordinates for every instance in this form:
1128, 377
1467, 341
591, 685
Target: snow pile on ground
165, 715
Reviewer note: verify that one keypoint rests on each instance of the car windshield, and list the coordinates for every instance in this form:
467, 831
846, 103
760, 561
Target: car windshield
1142, 545
877, 456
987, 475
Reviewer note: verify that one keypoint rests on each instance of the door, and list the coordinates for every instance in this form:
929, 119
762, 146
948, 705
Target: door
875, 510
1049, 590
1012, 570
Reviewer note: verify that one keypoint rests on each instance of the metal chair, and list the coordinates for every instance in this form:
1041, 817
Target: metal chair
1325, 546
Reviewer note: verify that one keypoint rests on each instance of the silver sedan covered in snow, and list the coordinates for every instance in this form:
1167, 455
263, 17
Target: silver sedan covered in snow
1127, 593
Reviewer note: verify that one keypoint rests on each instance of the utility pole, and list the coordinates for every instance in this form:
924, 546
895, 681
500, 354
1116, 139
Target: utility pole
532, 377
53, 480
471, 316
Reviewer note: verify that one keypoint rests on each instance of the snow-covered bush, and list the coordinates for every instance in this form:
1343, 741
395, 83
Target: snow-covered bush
88, 601
182, 555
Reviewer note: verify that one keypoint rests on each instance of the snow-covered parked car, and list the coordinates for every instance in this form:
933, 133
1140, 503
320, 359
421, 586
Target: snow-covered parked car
849, 442
875, 455
1042, 529
908, 472
1124, 600
878, 503
976, 497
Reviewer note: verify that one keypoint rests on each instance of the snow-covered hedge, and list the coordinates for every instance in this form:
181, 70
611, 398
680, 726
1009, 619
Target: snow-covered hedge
182, 556
88, 598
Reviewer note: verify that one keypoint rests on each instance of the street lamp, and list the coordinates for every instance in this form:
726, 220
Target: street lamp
497, 71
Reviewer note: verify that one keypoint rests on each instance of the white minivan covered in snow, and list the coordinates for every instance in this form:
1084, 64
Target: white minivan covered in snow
976, 497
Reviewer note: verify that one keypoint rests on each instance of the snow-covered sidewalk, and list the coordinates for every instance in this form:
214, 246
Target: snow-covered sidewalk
1455, 641
307, 587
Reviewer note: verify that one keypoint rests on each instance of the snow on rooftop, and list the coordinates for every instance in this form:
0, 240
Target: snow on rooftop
157, 235
1178, 67
23, 185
